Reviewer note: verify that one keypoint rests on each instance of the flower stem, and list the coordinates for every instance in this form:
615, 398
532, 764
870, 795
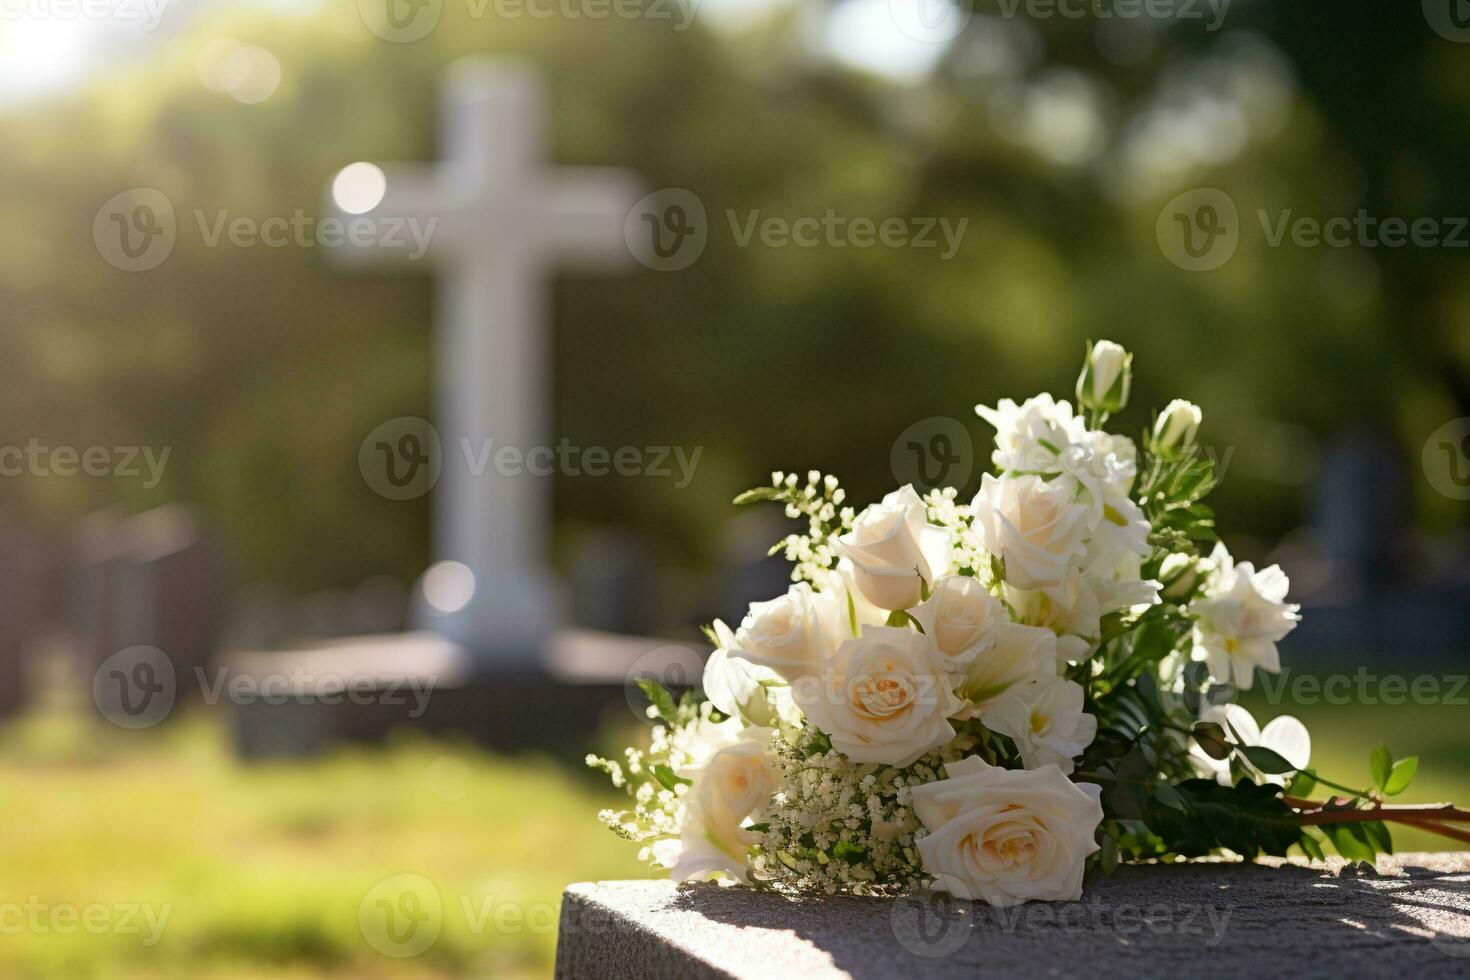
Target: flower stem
1430, 817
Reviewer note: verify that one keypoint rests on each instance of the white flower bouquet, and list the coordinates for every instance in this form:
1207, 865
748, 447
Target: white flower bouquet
988, 698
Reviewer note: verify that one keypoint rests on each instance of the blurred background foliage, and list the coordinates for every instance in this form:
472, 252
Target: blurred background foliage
1059, 140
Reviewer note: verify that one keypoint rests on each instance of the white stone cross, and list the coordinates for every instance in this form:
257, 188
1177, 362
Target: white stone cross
500, 221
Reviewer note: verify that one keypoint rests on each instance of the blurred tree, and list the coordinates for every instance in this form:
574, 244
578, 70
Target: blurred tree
1057, 140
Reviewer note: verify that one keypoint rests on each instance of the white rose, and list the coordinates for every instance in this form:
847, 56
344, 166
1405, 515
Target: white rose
793, 634
882, 697
1034, 526
1044, 717
841, 583
1240, 618
1018, 653
1284, 735
894, 550
961, 617
1007, 836
1033, 435
735, 782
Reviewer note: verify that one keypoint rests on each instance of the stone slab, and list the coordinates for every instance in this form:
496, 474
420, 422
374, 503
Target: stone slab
581, 681
1409, 917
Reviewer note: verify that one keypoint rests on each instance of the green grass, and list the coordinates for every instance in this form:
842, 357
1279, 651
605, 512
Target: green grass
263, 868
1344, 735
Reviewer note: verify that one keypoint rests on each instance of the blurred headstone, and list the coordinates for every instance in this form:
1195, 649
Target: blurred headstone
1362, 601
750, 573
1361, 507
146, 580
612, 582
30, 602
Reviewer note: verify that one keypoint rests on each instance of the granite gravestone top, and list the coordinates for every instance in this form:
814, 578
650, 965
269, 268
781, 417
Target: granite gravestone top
1409, 917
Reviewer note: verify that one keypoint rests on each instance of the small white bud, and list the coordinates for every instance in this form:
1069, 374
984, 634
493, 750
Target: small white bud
1177, 426
1106, 378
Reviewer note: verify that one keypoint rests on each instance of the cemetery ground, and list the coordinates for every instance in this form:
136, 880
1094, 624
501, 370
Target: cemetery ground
263, 867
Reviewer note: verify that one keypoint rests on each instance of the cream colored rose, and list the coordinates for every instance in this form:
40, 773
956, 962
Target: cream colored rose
1017, 654
792, 635
1044, 717
961, 617
1007, 836
882, 697
1034, 526
856, 610
736, 781
894, 550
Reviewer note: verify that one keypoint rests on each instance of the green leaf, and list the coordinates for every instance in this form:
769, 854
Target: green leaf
1211, 738
1401, 775
1266, 760
1351, 841
1378, 836
1169, 796
1380, 764
666, 777
1246, 818
660, 698
1311, 848
900, 618
848, 851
